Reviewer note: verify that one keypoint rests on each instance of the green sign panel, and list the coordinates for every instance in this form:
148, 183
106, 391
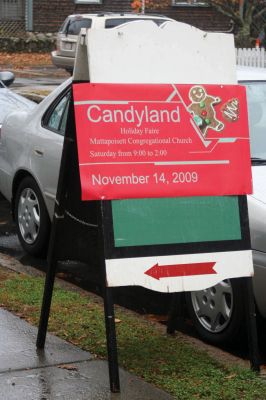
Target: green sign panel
140, 222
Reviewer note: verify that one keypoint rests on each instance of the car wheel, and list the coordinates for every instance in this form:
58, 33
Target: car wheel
217, 312
32, 219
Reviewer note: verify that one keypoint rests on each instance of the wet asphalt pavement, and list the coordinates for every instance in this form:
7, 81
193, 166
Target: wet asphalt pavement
59, 371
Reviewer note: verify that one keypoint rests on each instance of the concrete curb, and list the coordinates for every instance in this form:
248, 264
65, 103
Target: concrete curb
42, 71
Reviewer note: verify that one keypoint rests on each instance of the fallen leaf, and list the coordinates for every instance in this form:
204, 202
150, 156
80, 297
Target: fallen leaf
82, 337
157, 318
230, 376
69, 367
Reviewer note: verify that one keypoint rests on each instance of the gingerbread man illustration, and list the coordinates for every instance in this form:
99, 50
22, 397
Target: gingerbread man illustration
202, 109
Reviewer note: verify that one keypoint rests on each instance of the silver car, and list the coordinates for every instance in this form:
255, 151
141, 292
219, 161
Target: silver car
31, 145
30, 154
218, 312
9, 100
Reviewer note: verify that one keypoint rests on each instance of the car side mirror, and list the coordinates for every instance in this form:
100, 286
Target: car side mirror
7, 77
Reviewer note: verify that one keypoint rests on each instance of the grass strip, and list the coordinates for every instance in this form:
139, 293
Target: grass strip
168, 362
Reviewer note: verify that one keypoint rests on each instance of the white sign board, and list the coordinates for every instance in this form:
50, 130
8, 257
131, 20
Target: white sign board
142, 52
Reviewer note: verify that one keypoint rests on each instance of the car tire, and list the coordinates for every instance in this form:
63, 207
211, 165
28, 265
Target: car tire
217, 313
31, 217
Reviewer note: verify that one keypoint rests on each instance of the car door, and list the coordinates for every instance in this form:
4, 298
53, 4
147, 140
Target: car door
47, 148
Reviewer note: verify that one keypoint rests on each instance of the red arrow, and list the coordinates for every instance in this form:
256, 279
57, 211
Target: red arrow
169, 271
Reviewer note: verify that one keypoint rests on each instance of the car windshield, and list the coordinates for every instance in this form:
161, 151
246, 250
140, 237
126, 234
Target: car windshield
113, 22
256, 99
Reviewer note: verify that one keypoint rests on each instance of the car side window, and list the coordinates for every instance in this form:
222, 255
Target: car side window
57, 116
113, 22
63, 26
75, 25
63, 122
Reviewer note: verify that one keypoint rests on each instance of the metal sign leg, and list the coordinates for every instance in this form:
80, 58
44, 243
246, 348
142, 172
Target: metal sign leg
108, 308
175, 313
254, 355
46, 305
48, 287
58, 215
111, 340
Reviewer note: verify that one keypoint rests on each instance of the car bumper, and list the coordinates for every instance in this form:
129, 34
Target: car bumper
62, 62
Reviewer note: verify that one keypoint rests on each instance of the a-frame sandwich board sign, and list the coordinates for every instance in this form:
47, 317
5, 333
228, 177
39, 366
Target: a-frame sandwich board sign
153, 60
168, 143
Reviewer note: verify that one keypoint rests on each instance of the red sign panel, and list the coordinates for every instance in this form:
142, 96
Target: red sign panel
137, 141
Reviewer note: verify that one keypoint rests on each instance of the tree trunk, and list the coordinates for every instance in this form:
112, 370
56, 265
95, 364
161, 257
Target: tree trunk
243, 38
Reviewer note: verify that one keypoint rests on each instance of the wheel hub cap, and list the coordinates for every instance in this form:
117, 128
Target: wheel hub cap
213, 306
29, 216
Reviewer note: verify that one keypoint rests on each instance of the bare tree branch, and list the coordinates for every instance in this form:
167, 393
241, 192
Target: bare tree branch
227, 10
260, 13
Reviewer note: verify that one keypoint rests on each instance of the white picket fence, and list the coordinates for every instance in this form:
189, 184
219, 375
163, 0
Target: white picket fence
251, 57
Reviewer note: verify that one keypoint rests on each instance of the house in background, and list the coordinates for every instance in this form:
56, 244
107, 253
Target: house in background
21, 16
